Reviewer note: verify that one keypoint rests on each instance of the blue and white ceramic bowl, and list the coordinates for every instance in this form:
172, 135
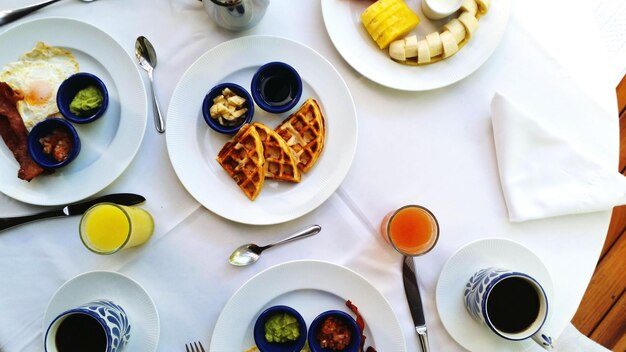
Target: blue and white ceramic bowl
111, 317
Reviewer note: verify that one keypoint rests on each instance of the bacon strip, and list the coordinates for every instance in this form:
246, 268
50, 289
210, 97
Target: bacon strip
360, 322
15, 134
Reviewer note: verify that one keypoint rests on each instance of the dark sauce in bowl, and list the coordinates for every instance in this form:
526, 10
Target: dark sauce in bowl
276, 87
276, 90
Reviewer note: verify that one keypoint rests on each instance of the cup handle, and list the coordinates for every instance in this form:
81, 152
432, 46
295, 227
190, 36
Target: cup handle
544, 340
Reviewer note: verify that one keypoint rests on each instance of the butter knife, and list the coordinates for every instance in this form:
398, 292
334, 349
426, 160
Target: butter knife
73, 209
415, 301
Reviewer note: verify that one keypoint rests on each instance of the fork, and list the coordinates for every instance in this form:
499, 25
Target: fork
194, 347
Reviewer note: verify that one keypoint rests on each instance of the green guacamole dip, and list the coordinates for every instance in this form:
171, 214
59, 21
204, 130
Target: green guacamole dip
281, 327
86, 100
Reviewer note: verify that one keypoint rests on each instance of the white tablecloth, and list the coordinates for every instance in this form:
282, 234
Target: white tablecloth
432, 148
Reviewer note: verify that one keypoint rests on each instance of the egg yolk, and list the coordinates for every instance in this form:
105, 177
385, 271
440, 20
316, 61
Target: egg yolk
39, 92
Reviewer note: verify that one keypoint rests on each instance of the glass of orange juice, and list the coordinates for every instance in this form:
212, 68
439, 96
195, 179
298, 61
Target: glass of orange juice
106, 228
412, 230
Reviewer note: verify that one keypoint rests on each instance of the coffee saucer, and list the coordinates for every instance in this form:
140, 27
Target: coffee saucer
86, 287
459, 268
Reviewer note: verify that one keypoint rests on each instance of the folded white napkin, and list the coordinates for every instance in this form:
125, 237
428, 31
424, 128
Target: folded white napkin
543, 174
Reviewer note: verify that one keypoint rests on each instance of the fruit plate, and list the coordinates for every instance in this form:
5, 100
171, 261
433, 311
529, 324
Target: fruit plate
193, 146
343, 23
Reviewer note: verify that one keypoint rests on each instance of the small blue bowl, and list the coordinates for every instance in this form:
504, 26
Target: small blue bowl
45, 128
355, 340
276, 87
208, 102
259, 331
68, 90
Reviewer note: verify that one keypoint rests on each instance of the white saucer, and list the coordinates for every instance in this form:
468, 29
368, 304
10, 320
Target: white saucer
141, 311
460, 267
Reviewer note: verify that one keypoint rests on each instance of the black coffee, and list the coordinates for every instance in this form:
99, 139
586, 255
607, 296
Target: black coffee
513, 305
80, 333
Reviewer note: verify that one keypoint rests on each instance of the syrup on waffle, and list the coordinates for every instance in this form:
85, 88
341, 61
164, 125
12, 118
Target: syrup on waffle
280, 161
304, 132
242, 157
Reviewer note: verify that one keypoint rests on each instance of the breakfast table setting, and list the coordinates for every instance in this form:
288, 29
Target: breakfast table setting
510, 144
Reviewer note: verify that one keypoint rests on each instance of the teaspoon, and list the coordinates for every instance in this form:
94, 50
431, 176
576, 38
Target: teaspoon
12, 15
250, 253
146, 56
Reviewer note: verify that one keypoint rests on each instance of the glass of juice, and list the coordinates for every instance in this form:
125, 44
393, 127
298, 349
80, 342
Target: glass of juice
106, 228
412, 230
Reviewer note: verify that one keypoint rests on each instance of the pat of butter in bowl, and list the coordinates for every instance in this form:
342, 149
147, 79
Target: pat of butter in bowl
228, 108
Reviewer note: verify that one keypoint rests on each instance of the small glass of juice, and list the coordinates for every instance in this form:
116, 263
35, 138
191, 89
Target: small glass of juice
412, 230
106, 228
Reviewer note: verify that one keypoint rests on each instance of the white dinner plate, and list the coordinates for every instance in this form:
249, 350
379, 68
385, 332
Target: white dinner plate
122, 290
310, 287
193, 145
456, 272
343, 23
109, 144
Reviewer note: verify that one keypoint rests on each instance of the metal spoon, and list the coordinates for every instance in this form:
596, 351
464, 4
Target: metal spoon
12, 15
250, 253
146, 56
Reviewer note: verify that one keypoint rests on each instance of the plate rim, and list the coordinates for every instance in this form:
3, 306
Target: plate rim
138, 109
546, 282
348, 151
309, 264
126, 278
343, 50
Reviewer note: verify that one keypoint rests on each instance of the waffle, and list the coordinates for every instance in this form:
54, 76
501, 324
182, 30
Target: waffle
280, 161
304, 132
242, 157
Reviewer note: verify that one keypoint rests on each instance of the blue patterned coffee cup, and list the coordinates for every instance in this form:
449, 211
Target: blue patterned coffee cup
103, 320
479, 299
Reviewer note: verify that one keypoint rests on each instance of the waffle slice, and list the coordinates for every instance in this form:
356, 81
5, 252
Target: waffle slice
280, 161
242, 157
304, 132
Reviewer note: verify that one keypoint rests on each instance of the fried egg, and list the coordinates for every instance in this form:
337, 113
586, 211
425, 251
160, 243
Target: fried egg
36, 76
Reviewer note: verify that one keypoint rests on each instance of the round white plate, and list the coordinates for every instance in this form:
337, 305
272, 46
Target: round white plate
343, 23
193, 145
460, 267
124, 291
310, 287
109, 144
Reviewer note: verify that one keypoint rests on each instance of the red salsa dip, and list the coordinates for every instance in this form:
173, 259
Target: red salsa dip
334, 334
57, 144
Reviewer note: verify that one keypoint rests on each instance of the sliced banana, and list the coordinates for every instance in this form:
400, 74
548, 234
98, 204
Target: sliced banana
450, 47
396, 50
470, 22
410, 46
437, 46
469, 6
456, 28
483, 6
423, 52
434, 44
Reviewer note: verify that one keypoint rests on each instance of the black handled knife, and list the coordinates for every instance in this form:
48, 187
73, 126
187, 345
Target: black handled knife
412, 292
73, 209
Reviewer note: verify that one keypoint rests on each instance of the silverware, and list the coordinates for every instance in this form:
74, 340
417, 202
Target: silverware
194, 347
249, 253
147, 58
12, 15
73, 209
415, 301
